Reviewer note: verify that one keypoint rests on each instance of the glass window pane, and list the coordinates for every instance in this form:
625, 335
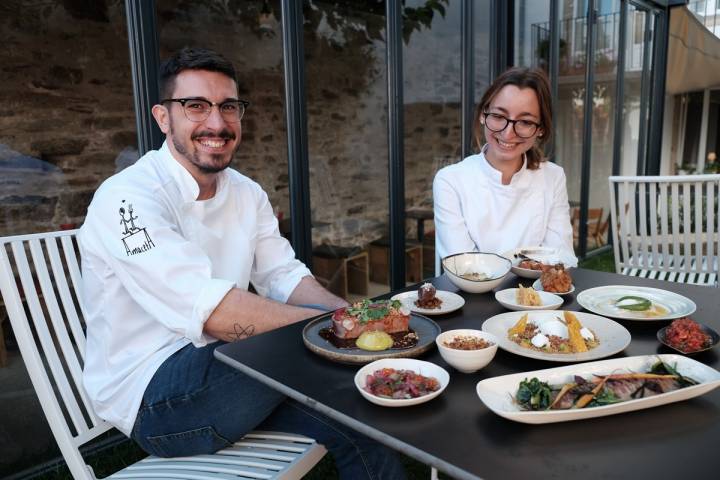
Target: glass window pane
346, 87
570, 103
248, 34
67, 124
634, 58
603, 121
68, 121
693, 122
481, 30
532, 33
713, 137
432, 112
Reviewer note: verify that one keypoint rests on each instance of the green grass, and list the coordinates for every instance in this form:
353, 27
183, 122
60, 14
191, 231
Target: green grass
604, 262
104, 463
111, 460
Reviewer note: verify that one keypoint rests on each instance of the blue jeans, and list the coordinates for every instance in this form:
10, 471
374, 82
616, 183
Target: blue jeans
196, 404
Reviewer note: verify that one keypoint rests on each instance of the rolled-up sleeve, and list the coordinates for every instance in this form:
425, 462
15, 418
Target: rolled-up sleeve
163, 272
452, 235
275, 272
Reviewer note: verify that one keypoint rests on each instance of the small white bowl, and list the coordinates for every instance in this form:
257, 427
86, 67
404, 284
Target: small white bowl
537, 285
421, 367
490, 264
508, 299
467, 361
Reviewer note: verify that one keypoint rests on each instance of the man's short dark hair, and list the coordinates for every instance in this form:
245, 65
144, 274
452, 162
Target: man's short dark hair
192, 59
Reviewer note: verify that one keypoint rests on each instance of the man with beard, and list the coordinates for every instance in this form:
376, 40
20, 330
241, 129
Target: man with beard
167, 282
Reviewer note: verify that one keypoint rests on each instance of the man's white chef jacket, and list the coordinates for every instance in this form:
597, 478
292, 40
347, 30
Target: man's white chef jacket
156, 262
474, 211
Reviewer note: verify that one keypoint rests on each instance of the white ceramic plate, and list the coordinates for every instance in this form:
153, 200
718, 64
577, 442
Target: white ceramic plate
450, 302
601, 300
421, 367
497, 392
537, 285
613, 337
545, 255
508, 299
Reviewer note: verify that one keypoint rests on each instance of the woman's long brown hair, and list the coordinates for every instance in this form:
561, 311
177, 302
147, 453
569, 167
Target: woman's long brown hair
521, 77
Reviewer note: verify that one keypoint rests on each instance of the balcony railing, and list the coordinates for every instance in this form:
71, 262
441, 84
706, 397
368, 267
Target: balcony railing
573, 43
708, 12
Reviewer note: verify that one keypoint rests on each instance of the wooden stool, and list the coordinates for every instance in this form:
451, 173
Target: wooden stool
341, 269
380, 261
420, 215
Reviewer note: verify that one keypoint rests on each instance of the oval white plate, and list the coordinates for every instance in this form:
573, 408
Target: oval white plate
497, 392
421, 367
537, 285
541, 254
508, 299
450, 302
613, 337
601, 300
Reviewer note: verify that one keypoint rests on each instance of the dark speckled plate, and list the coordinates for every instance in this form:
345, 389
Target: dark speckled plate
425, 328
662, 337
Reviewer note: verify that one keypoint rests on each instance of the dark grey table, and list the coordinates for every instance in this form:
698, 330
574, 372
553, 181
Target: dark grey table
458, 435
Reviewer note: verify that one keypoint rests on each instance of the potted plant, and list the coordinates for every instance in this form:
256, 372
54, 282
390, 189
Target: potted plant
686, 168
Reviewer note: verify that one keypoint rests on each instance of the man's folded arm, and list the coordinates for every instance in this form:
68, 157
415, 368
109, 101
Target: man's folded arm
242, 314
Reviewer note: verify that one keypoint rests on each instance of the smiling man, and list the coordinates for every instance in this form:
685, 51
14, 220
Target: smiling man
169, 248
203, 140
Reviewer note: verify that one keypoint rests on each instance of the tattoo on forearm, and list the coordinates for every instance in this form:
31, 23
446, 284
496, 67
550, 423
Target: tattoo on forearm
242, 332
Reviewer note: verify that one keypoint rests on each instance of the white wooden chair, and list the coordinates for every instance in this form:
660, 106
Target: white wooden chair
53, 348
666, 227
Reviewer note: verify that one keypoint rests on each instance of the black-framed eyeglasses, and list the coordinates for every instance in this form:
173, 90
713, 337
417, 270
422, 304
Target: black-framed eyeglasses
498, 123
198, 109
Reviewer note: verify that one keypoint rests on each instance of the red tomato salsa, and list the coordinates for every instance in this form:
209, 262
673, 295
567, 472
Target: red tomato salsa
399, 384
686, 335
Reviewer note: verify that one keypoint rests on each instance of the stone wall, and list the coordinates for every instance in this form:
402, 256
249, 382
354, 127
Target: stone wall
67, 102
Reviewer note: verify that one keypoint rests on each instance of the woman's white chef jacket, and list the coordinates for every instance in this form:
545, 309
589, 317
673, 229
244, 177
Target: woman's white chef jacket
156, 262
474, 211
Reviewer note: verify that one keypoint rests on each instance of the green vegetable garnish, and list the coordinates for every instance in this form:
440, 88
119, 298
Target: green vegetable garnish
367, 311
662, 368
606, 397
534, 394
640, 304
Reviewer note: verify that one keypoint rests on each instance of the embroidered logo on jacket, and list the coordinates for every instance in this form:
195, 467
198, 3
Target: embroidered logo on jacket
136, 239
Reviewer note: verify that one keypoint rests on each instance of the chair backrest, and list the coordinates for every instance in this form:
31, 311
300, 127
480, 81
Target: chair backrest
665, 223
594, 221
603, 225
42, 296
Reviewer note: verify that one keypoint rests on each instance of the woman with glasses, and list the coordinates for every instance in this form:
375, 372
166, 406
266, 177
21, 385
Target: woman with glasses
508, 195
